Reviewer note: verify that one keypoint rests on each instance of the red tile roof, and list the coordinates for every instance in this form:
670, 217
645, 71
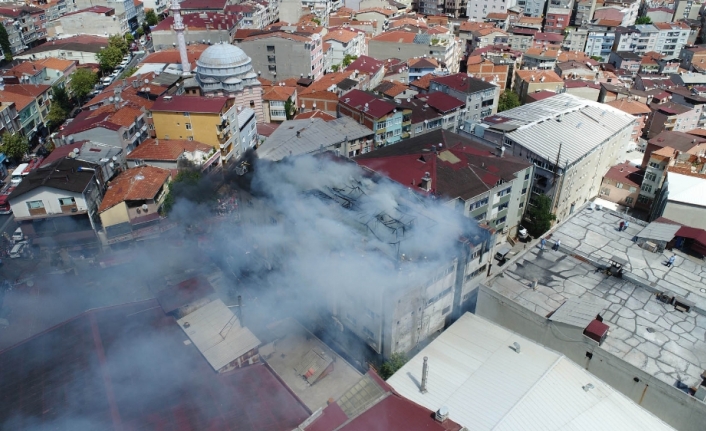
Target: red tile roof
20, 101
365, 64
106, 117
423, 82
395, 36
135, 184
366, 102
166, 149
171, 56
549, 37
200, 104
626, 173
29, 90
102, 10
441, 101
462, 82
200, 21
278, 93
203, 4
266, 129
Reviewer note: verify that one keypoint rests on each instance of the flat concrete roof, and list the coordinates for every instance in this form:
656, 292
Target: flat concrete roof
291, 343
645, 332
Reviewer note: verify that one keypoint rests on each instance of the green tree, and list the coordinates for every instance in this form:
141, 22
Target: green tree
109, 57
289, 109
5, 43
129, 38
145, 27
128, 73
183, 186
643, 20
83, 81
60, 96
597, 58
540, 216
348, 59
508, 100
335, 68
390, 367
140, 31
151, 18
316, 21
119, 42
15, 146
57, 115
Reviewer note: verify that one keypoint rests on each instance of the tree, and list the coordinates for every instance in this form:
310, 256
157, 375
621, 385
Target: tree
15, 146
129, 38
508, 100
61, 97
151, 18
289, 109
140, 31
540, 215
598, 58
316, 21
185, 185
57, 115
643, 20
109, 57
335, 68
348, 59
390, 367
119, 42
128, 73
82, 83
145, 27
5, 43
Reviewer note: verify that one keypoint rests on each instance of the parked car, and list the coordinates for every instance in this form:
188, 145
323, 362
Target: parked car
17, 249
522, 233
18, 235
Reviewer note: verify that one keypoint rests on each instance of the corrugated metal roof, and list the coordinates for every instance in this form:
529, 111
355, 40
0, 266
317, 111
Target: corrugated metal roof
217, 333
487, 385
578, 125
579, 311
659, 231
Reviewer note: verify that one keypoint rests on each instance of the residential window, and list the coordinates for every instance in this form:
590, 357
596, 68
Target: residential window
643, 199
646, 188
480, 203
188, 126
190, 138
524, 190
480, 217
628, 200
619, 185
186, 114
650, 176
67, 201
33, 205
655, 165
633, 189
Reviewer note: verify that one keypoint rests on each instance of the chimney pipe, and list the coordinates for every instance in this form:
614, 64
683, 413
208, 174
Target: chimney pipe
425, 372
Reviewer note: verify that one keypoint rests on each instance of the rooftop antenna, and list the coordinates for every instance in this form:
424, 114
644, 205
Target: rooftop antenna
425, 374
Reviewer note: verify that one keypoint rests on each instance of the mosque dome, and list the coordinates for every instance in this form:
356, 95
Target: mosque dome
222, 55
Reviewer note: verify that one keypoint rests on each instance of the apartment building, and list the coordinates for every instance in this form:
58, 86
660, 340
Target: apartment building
668, 115
405, 45
586, 138
481, 97
274, 100
204, 27
344, 42
29, 20
32, 102
693, 58
621, 184
599, 42
637, 109
531, 81
533, 8
215, 121
125, 10
82, 49
95, 20
14, 35
557, 19
672, 37
8, 121
389, 122
493, 69
477, 10
280, 55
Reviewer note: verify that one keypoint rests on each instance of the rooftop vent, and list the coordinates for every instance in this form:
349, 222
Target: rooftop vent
442, 414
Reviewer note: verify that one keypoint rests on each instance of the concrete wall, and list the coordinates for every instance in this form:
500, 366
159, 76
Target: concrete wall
611, 193
676, 408
689, 215
114, 215
164, 39
291, 58
50, 199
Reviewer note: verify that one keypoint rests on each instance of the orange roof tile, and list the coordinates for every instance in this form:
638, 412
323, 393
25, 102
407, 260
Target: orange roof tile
386, 12
496, 15
341, 35
472, 26
422, 82
125, 116
408, 21
21, 102
278, 93
171, 56
395, 36
134, 184
57, 63
318, 95
632, 107
326, 81
166, 149
608, 22
31, 90
548, 75
25, 68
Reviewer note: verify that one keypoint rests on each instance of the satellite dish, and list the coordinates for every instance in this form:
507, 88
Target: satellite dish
145, 207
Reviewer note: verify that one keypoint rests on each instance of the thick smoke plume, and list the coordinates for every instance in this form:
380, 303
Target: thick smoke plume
308, 230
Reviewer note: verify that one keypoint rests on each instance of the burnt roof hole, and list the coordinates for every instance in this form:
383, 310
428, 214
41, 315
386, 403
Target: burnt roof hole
650, 330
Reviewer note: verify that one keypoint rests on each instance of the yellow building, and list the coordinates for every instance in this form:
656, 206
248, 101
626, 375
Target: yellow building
211, 120
133, 200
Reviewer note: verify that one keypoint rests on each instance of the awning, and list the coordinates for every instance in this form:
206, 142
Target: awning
698, 235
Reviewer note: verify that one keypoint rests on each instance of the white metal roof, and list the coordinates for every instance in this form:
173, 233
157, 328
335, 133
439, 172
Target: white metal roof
659, 231
217, 333
686, 189
577, 125
487, 385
